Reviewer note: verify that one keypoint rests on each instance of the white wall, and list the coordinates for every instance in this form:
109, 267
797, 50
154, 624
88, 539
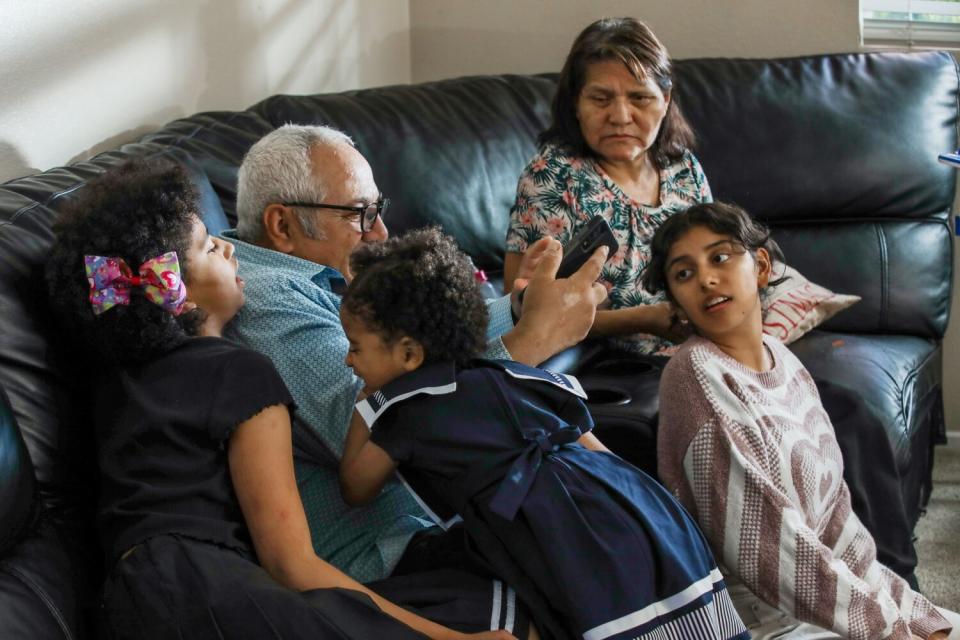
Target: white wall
82, 76
458, 37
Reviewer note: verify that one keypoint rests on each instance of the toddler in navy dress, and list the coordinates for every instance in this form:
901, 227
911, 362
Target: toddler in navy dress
594, 547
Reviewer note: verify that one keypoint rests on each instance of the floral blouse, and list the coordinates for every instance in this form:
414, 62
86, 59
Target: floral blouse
558, 193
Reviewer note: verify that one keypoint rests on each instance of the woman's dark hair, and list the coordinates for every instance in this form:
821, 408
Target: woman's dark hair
631, 42
721, 218
137, 211
422, 286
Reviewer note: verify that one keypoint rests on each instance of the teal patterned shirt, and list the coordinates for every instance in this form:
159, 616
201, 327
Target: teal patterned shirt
291, 314
558, 193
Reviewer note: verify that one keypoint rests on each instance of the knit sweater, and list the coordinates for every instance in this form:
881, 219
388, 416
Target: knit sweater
754, 457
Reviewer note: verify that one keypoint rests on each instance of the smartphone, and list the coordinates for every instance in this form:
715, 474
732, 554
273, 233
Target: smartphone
594, 235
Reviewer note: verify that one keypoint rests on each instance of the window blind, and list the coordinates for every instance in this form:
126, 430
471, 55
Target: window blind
911, 22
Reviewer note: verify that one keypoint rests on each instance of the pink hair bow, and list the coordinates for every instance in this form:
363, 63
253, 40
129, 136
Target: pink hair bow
111, 280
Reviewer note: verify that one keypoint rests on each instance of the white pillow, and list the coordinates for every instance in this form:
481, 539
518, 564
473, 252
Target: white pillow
797, 305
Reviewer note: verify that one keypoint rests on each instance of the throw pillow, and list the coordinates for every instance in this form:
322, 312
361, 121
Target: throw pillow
797, 305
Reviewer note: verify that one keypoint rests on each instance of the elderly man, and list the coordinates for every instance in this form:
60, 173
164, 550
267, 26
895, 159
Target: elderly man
306, 199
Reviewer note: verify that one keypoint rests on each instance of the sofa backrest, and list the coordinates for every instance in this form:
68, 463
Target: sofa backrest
838, 153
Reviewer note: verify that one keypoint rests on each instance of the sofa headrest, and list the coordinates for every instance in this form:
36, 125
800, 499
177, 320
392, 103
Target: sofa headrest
215, 142
841, 136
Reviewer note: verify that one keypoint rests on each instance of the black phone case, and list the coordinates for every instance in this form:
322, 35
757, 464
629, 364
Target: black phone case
593, 236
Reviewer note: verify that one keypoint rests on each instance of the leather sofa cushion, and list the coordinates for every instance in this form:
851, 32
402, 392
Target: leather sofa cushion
43, 591
891, 377
841, 136
37, 575
901, 269
17, 484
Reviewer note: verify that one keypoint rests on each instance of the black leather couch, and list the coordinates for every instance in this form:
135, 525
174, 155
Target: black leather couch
837, 152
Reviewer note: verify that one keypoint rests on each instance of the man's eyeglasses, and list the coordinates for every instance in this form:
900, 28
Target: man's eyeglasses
368, 213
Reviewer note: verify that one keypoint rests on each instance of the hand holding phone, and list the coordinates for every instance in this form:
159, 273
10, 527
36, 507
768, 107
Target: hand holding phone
595, 233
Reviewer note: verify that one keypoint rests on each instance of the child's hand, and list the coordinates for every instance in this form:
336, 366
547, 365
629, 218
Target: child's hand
679, 329
666, 323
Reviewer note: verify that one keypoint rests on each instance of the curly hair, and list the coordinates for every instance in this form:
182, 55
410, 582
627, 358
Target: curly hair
136, 211
631, 42
422, 286
721, 218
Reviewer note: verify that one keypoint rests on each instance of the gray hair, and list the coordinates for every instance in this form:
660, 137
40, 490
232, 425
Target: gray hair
278, 168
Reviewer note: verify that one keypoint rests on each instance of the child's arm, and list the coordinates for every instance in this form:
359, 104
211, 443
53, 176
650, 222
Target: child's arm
261, 466
590, 441
365, 467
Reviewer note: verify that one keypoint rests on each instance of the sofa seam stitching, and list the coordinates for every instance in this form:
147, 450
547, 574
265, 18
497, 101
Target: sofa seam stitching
884, 277
911, 376
41, 593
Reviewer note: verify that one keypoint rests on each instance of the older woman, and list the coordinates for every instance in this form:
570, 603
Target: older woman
618, 147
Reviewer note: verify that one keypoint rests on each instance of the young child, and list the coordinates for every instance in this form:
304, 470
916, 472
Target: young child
593, 546
200, 518
746, 445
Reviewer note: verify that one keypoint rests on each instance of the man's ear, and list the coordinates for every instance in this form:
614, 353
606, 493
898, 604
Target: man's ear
277, 228
764, 267
411, 353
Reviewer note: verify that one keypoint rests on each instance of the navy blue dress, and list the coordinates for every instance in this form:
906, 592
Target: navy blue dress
593, 546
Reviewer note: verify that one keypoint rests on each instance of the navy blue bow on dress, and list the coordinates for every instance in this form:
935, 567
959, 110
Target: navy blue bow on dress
516, 485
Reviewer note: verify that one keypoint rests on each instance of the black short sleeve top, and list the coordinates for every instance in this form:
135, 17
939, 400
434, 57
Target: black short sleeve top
163, 429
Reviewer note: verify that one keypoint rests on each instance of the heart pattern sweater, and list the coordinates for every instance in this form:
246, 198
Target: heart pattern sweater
754, 456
